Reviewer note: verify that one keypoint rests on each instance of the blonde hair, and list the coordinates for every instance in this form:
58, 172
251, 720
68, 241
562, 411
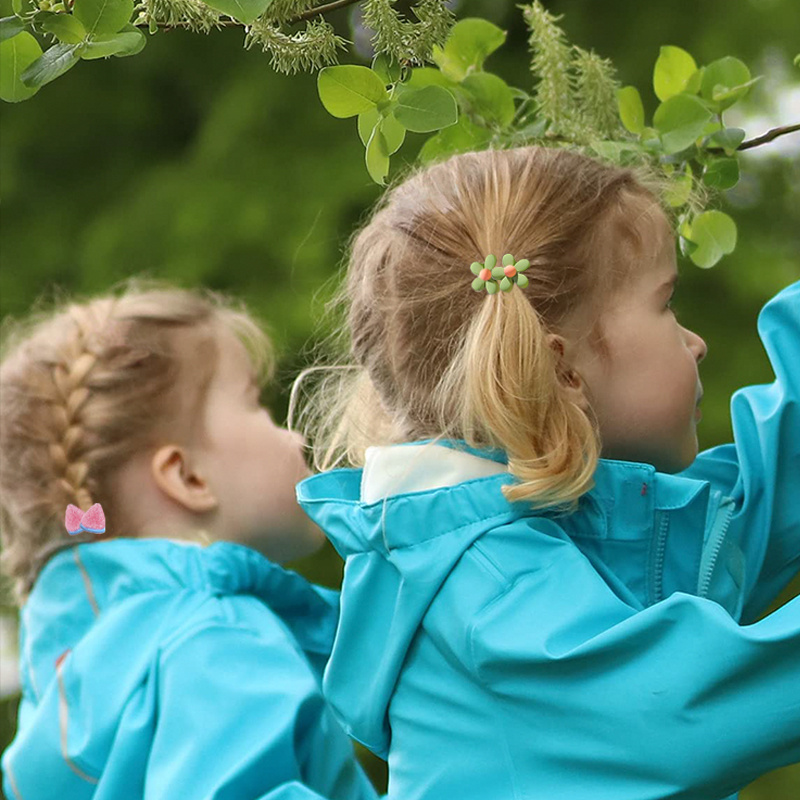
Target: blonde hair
431, 358
88, 385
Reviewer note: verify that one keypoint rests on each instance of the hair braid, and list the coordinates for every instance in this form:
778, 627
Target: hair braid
88, 386
69, 379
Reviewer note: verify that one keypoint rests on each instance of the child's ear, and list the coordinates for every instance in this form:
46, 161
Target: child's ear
175, 477
568, 377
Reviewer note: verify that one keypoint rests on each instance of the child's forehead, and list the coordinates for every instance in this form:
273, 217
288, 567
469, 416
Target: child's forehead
646, 238
233, 356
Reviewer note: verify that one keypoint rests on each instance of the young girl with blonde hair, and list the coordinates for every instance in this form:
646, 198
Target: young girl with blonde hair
165, 654
544, 584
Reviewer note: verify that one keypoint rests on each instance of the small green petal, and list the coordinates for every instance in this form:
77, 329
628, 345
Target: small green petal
476, 267
522, 281
508, 259
506, 285
498, 273
491, 287
490, 261
522, 265
478, 284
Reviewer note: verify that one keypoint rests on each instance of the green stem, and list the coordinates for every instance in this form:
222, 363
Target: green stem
306, 15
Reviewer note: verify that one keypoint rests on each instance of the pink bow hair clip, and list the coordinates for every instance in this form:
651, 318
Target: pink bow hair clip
93, 521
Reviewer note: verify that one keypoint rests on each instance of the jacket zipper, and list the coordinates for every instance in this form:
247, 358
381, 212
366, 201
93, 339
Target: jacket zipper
657, 568
716, 539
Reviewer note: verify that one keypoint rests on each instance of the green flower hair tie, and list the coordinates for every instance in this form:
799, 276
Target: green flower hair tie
492, 277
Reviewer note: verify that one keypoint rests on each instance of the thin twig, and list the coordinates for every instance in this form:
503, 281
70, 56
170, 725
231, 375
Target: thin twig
326, 9
759, 140
768, 136
230, 23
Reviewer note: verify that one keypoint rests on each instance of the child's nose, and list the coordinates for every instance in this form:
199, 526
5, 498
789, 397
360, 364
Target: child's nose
696, 344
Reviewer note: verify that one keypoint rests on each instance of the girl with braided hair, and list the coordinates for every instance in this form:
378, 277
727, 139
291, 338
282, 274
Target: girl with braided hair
169, 656
547, 592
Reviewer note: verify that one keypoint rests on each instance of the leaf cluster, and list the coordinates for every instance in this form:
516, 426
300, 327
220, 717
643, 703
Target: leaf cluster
429, 77
575, 102
689, 140
86, 30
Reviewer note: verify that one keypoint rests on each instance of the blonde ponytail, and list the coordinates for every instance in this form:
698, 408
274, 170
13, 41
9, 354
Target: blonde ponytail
428, 357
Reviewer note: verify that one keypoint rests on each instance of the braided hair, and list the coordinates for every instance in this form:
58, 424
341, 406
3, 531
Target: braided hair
86, 386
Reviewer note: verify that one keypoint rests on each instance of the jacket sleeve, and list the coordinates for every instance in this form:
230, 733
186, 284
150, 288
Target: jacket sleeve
761, 470
241, 717
673, 701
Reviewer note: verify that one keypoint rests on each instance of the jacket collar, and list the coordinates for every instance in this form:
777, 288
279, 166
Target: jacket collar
377, 506
81, 583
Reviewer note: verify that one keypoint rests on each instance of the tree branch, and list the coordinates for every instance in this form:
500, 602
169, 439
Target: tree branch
306, 15
768, 136
320, 10
759, 140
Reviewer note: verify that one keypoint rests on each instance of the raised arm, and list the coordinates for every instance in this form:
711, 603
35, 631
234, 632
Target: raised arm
761, 469
674, 701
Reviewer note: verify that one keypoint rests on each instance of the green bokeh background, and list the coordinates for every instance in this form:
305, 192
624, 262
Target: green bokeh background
195, 162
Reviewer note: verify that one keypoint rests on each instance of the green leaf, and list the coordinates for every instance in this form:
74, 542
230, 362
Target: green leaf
631, 110
673, 70
53, 63
695, 82
16, 54
721, 173
728, 139
714, 233
492, 97
725, 96
10, 27
464, 136
427, 76
385, 68
426, 110
349, 90
22, 7
367, 120
536, 128
103, 16
687, 247
712, 127
680, 188
377, 156
470, 42
680, 121
67, 28
243, 10
394, 133
124, 43
725, 81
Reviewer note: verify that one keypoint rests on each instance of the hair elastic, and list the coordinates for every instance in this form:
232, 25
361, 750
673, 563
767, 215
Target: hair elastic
93, 521
492, 277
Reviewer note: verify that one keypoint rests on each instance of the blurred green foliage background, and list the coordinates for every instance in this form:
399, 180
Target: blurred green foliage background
195, 162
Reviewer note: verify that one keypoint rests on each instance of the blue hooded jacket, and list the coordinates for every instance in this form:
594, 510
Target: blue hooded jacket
163, 670
497, 652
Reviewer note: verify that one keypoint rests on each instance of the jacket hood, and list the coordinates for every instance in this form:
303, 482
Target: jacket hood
400, 535
100, 594
403, 522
